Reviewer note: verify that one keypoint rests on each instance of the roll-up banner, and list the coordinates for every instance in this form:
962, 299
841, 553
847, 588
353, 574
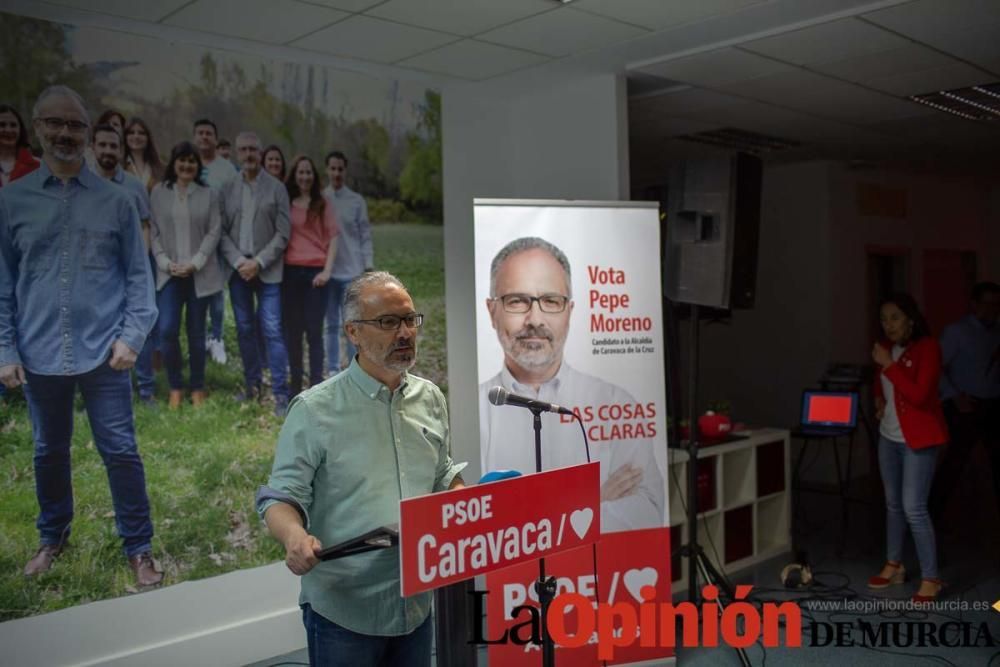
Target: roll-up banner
569, 311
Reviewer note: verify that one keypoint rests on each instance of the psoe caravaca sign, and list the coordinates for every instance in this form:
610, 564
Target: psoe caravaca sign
453, 536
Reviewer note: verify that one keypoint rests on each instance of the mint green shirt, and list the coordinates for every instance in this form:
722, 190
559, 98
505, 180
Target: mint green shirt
350, 449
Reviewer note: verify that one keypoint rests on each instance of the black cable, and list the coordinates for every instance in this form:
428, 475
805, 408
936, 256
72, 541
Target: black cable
586, 442
593, 547
704, 519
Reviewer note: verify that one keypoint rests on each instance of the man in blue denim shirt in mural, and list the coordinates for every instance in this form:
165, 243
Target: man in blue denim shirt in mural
76, 304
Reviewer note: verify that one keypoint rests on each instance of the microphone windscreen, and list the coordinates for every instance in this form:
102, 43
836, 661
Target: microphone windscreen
497, 475
498, 395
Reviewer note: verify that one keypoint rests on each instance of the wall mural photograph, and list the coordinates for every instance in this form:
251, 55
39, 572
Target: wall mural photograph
204, 448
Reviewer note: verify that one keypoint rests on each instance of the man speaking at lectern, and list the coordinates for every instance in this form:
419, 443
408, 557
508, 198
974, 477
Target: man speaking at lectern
350, 449
530, 305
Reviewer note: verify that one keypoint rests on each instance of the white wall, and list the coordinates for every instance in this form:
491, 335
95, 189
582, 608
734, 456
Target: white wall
565, 140
762, 360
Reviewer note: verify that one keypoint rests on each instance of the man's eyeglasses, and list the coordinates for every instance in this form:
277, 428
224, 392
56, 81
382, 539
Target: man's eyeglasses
521, 303
56, 124
393, 322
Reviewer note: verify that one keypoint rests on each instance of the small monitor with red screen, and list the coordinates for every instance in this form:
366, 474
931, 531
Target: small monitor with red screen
837, 409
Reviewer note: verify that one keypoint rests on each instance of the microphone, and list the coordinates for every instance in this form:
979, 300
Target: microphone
500, 396
499, 475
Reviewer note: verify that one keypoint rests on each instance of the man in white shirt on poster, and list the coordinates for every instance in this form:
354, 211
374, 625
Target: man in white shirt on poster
530, 305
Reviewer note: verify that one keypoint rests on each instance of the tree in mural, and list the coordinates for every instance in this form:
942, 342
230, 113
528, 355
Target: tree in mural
297, 106
37, 51
420, 182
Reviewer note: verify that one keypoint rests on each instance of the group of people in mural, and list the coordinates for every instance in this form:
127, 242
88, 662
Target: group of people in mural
105, 249
204, 218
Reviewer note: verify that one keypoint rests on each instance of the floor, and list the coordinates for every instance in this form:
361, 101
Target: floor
844, 549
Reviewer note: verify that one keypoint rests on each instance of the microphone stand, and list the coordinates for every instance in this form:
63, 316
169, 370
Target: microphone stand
545, 587
698, 562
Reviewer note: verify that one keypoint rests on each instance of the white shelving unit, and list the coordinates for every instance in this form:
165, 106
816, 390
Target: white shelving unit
746, 507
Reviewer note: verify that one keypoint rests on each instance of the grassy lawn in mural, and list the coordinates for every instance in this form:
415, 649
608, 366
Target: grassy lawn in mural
202, 467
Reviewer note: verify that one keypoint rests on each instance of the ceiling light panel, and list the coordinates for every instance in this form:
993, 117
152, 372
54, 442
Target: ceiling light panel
980, 102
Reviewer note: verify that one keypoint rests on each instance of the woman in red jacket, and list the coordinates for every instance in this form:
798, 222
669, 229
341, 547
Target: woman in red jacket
16, 159
912, 429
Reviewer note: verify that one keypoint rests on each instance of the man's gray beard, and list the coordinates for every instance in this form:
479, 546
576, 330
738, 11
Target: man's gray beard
532, 359
400, 366
59, 153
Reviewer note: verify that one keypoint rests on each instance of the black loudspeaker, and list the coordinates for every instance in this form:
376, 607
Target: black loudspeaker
713, 230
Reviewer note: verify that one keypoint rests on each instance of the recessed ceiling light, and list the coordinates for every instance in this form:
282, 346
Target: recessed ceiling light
980, 103
742, 140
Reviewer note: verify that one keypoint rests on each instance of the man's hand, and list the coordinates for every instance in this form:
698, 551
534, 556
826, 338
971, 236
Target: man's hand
300, 553
122, 356
879, 408
248, 269
12, 375
622, 482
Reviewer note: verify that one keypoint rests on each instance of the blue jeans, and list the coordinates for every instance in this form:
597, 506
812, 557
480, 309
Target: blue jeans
907, 475
179, 293
267, 314
331, 645
337, 290
107, 395
145, 379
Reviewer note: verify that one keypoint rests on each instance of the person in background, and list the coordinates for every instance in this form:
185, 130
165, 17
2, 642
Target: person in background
107, 146
186, 228
274, 162
340, 470
308, 262
912, 429
142, 160
354, 252
16, 159
114, 118
75, 319
225, 149
216, 172
970, 389
255, 230
111, 117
